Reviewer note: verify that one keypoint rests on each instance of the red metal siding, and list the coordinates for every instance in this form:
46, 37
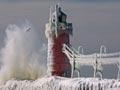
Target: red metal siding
60, 61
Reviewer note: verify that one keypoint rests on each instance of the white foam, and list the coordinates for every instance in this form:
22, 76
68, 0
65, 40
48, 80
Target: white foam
23, 55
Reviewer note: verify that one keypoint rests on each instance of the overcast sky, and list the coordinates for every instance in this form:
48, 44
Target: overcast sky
95, 22
61, 0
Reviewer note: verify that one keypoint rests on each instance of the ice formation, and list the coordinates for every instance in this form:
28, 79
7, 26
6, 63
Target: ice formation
61, 83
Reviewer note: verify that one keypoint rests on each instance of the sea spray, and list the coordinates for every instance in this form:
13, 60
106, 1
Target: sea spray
23, 56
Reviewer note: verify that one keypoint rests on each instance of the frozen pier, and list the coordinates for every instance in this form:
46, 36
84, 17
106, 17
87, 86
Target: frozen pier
61, 83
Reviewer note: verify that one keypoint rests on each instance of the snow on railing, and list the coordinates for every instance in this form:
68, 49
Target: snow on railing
95, 60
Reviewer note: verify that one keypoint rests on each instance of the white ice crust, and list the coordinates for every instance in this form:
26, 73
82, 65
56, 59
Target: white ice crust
61, 83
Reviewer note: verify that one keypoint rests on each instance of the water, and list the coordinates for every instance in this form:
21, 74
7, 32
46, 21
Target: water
23, 56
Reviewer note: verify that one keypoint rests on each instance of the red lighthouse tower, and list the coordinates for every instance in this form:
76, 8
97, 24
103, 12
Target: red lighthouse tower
57, 32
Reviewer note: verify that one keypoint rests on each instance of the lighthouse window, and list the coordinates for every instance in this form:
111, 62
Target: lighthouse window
60, 18
63, 19
53, 20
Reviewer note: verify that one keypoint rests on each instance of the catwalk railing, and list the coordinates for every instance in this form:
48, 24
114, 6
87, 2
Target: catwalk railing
96, 60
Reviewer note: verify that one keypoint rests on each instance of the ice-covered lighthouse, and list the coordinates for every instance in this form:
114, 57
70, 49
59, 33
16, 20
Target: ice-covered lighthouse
58, 32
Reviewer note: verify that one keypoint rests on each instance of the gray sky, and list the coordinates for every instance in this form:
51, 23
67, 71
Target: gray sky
61, 0
94, 23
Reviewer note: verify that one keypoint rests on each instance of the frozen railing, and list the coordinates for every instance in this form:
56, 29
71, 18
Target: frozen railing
95, 60
101, 55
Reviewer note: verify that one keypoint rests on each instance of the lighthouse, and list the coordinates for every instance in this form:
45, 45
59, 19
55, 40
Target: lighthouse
58, 31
